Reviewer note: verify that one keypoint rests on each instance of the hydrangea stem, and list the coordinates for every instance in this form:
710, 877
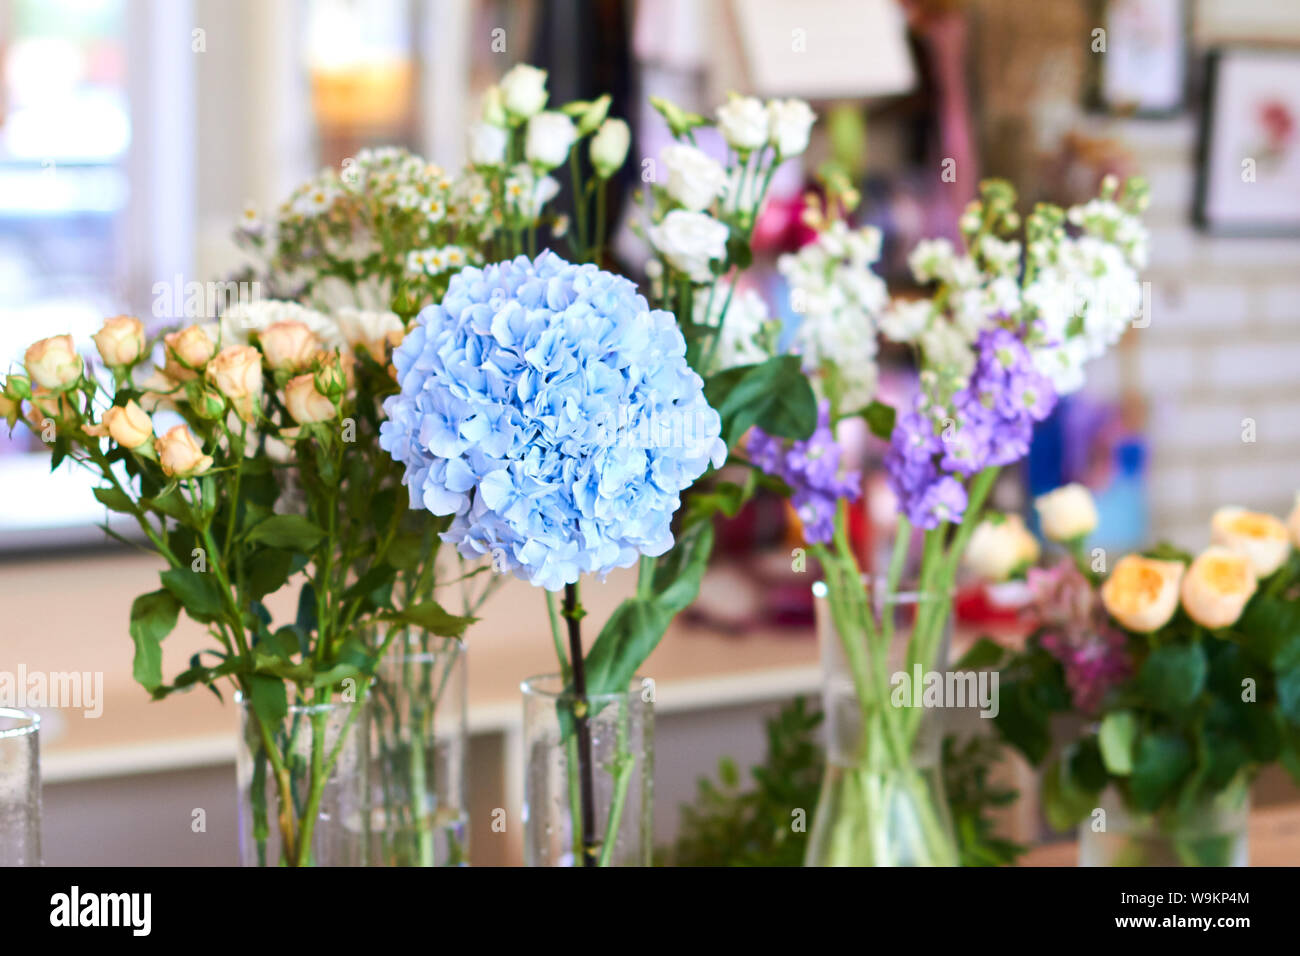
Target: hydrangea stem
582, 726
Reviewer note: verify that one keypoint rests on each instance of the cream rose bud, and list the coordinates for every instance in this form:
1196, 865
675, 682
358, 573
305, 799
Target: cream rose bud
1217, 586
743, 122
188, 351
288, 345
129, 425
179, 453
120, 341
690, 241
487, 144
1142, 593
53, 363
695, 179
523, 91
998, 548
305, 403
1068, 513
548, 139
1260, 537
789, 124
609, 147
236, 372
372, 330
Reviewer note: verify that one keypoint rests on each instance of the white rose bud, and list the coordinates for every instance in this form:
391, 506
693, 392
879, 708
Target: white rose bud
129, 425
998, 548
1217, 586
188, 351
609, 147
789, 124
289, 346
1068, 513
305, 403
547, 142
694, 178
494, 109
690, 241
523, 91
179, 453
1260, 537
1142, 593
743, 122
53, 363
487, 144
236, 372
120, 341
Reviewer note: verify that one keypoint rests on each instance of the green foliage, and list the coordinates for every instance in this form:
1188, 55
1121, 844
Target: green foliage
971, 798
775, 395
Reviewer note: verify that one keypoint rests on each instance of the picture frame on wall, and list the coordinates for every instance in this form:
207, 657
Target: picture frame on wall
1248, 174
1143, 69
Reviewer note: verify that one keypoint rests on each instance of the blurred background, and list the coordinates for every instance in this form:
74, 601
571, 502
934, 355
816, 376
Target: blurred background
134, 134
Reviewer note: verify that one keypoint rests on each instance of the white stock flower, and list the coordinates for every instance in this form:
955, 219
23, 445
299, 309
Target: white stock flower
905, 321
743, 122
690, 241
548, 140
743, 326
695, 179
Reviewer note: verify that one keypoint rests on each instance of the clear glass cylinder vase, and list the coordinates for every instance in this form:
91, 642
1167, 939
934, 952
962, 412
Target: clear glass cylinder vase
20, 788
588, 775
1209, 832
416, 814
301, 784
882, 800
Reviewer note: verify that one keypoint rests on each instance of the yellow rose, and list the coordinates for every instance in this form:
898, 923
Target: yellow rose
1217, 586
53, 363
179, 453
1142, 593
997, 548
188, 351
305, 403
237, 374
288, 346
129, 425
1260, 537
120, 341
1068, 513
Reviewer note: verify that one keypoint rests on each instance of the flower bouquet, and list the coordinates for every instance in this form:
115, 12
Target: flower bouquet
995, 343
1186, 673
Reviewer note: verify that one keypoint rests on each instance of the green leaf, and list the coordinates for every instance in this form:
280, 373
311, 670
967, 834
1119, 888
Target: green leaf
114, 499
1163, 760
170, 502
1288, 695
432, 617
1065, 803
153, 616
983, 653
880, 419
268, 699
1173, 676
292, 532
269, 569
774, 395
1118, 731
1023, 721
198, 591
374, 588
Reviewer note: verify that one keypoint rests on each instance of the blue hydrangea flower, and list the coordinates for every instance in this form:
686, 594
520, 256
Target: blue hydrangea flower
552, 412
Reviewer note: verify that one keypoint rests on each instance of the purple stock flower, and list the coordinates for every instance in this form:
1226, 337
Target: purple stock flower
812, 470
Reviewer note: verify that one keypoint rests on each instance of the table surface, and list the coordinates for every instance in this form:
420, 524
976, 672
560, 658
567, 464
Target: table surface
1274, 841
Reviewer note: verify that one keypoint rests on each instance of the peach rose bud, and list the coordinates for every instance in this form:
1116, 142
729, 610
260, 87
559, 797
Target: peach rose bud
1000, 547
1142, 593
1067, 514
188, 351
1260, 537
120, 341
236, 372
53, 363
1217, 587
179, 453
305, 403
129, 425
288, 346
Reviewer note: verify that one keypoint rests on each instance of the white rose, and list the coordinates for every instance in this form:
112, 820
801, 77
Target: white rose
789, 123
548, 139
689, 241
743, 122
487, 144
1260, 537
1217, 586
609, 147
998, 548
694, 178
523, 91
1067, 513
